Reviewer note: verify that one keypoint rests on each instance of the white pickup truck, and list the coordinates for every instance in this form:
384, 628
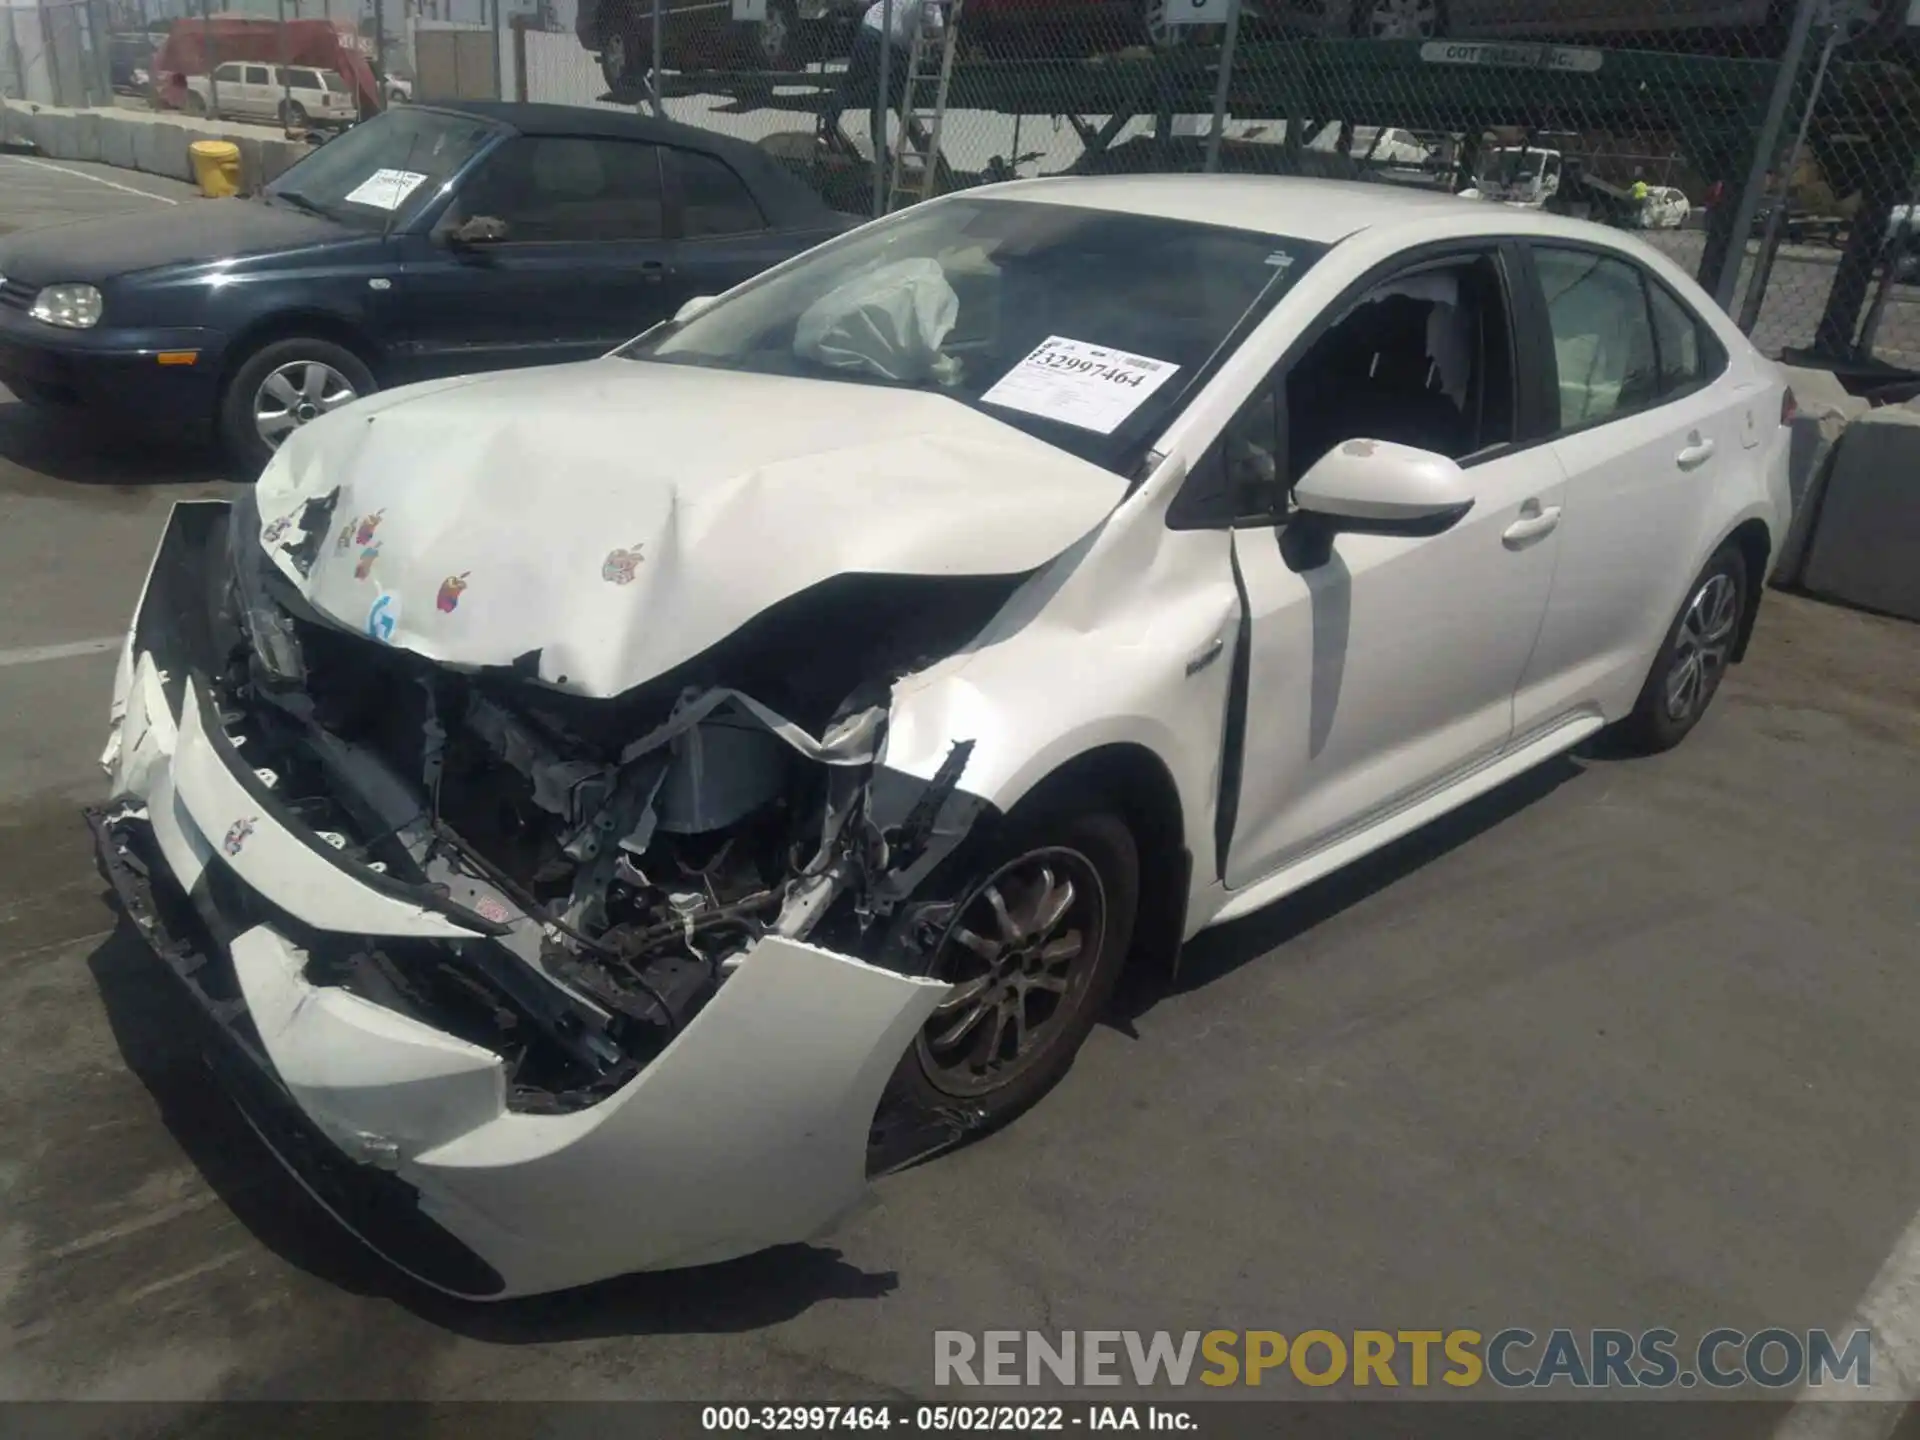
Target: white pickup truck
294, 96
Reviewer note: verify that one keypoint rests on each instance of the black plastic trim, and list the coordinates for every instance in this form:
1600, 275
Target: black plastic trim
1233, 737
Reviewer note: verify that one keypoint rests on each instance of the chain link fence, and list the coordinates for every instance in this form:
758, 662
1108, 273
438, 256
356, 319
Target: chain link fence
1769, 146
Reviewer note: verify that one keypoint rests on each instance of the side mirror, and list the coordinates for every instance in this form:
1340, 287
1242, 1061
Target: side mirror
693, 307
477, 230
1382, 488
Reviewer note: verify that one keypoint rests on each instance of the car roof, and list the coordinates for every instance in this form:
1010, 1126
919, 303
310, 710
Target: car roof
788, 201
1322, 211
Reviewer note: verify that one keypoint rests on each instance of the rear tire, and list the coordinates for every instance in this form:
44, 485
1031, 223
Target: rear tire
245, 397
1693, 657
293, 115
1049, 949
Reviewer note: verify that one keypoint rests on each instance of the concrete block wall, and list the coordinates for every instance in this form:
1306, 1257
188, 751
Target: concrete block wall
142, 140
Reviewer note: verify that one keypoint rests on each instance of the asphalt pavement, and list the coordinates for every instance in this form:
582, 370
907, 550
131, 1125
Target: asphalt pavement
1629, 1043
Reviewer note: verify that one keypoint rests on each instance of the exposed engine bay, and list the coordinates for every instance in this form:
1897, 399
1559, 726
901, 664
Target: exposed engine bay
623, 852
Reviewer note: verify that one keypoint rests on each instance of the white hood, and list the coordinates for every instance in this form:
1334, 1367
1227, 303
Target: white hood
621, 517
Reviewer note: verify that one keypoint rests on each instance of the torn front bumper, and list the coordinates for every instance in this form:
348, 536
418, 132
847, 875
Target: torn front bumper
750, 1129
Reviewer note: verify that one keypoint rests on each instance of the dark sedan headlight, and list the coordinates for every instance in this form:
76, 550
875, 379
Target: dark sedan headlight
73, 307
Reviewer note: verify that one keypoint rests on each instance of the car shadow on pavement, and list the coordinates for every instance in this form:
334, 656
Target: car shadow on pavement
83, 450
1217, 953
156, 1028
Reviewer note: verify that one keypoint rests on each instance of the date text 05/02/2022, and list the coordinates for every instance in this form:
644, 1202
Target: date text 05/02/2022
945, 1419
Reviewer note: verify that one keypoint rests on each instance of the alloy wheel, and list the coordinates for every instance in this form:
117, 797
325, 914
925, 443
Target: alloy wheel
1701, 648
1019, 954
297, 392
1403, 20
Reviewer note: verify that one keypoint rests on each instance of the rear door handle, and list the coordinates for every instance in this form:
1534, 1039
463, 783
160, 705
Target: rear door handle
1694, 454
653, 270
1532, 524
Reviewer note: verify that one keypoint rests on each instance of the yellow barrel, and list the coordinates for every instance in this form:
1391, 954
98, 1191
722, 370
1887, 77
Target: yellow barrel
216, 165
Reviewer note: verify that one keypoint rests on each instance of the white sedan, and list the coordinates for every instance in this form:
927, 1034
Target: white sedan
605, 812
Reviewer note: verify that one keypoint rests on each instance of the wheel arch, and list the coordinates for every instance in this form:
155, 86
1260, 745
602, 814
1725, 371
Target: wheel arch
334, 328
1754, 540
1137, 784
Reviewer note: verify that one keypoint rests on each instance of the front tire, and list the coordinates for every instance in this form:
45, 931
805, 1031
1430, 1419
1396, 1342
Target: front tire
281, 387
1693, 657
1038, 938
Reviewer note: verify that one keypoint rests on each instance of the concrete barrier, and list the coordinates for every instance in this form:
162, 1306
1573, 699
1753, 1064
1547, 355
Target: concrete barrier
1825, 410
1865, 544
153, 142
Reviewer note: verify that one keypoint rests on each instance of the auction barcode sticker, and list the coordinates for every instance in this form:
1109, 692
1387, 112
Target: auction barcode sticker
1089, 386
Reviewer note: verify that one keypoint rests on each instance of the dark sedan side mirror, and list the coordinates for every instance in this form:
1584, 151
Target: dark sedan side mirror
477, 230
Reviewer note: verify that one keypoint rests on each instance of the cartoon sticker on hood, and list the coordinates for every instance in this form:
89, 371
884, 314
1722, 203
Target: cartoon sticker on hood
527, 475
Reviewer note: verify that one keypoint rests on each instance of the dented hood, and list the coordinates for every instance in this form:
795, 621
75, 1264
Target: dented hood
619, 517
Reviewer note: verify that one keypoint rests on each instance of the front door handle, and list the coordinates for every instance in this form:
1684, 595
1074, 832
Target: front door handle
1532, 524
653, 271
1694, 454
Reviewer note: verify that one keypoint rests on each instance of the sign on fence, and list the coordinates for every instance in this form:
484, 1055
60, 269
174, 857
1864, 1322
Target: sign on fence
755, 10
1512, 57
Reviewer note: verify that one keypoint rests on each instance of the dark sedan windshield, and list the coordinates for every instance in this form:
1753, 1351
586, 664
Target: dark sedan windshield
1085, 328
385, 171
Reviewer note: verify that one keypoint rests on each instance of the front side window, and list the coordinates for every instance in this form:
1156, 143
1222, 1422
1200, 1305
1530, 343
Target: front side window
552, 189
1082, 327
1424, 359
228, 75
1603, 342
714, 201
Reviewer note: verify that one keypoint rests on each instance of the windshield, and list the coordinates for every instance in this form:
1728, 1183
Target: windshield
1085, 328
1507, 166
386, 170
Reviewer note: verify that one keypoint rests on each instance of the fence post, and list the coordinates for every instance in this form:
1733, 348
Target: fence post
882, 102
1776, 217
517, 24
1220, 89
286, 80
1766, 147
213, 59
1893, 246
653, 63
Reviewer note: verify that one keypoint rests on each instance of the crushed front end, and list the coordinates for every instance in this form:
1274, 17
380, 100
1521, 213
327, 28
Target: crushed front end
527, 988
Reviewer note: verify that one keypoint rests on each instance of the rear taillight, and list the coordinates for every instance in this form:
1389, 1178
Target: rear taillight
1789, 407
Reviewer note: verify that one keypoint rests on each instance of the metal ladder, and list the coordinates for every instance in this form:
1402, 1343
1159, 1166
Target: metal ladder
919, 130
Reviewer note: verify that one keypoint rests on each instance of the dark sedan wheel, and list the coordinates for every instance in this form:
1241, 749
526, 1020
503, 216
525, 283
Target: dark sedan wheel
283, 386
1033, 949
1694, 657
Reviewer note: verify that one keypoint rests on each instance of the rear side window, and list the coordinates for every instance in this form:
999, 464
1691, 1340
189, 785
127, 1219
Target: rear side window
1603, 343
716, 201
256, 75
306, 80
